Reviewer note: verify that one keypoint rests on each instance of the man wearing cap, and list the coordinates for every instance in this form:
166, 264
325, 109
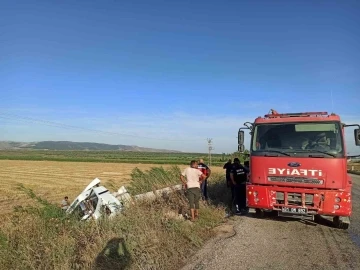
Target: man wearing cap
238, 177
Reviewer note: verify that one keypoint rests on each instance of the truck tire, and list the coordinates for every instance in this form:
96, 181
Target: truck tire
259, 213
317, 219
339, 223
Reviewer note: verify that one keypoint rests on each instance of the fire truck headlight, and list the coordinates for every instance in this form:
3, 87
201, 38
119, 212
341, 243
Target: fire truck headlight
336, 207
337, 200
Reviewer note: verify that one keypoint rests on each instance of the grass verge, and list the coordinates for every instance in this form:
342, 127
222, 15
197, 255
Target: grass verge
354, 172
144, 236
153, 179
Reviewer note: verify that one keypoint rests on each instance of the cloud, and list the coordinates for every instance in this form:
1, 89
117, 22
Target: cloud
184, 131
179, 130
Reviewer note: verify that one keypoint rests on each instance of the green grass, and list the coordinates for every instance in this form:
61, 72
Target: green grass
153, 179
113, 156
145, 235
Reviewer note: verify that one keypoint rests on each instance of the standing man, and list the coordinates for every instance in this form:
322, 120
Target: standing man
207, 172
238, 177
192, 183
228, 166
247, 166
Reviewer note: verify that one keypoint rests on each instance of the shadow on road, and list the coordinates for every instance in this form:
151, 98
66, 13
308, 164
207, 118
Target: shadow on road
274, 216
115, 255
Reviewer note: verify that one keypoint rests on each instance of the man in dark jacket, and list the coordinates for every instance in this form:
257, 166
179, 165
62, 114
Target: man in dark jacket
247, 164
238, 177
227, 167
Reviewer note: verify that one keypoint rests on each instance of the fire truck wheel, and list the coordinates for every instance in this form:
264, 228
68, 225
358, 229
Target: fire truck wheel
340, 224
259, 213
317, 218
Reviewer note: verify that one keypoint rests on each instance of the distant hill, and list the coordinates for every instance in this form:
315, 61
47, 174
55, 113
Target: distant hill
67, 145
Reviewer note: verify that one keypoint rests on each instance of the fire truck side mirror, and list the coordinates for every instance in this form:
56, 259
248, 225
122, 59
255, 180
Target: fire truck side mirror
357, 136
241, 148
241, 137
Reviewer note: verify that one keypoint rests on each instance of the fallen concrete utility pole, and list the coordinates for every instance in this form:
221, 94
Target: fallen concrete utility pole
96, 200
124, 197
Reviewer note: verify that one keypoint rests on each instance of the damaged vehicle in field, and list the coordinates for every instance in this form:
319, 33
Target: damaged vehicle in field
95, 201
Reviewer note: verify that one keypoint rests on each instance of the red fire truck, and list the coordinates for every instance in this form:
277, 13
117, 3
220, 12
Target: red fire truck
298, 166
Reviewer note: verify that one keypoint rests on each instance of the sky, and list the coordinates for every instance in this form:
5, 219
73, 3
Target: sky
170, 74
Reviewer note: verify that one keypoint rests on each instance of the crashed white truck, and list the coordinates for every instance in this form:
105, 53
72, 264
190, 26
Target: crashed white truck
95, 200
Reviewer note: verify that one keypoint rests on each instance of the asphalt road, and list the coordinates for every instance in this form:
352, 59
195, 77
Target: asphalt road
278, 243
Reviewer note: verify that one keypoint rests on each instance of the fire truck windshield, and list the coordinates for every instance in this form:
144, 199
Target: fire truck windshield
301, 139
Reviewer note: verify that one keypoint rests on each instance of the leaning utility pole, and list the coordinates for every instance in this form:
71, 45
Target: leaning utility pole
209, 140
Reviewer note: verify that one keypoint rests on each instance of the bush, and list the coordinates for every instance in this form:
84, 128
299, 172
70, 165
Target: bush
146, 236
153, 179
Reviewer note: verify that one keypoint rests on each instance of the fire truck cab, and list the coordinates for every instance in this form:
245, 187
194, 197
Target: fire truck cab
298, 166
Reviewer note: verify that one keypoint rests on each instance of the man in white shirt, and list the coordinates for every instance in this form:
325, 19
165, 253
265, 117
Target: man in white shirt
193, 180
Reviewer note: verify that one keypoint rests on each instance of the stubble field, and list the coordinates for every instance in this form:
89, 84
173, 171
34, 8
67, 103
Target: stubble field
53, 180
44, 238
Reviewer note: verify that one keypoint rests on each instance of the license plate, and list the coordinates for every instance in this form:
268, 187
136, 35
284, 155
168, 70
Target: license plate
294, 210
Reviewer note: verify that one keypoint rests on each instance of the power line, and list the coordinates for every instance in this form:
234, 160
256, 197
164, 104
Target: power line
66, 126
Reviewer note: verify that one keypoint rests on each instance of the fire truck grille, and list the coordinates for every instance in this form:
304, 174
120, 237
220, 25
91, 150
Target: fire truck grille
297, 180
295, 198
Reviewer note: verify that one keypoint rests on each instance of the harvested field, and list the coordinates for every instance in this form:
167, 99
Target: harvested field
44, 237
53, 180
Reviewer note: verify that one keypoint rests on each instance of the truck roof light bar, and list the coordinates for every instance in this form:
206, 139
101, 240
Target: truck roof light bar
275, 114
